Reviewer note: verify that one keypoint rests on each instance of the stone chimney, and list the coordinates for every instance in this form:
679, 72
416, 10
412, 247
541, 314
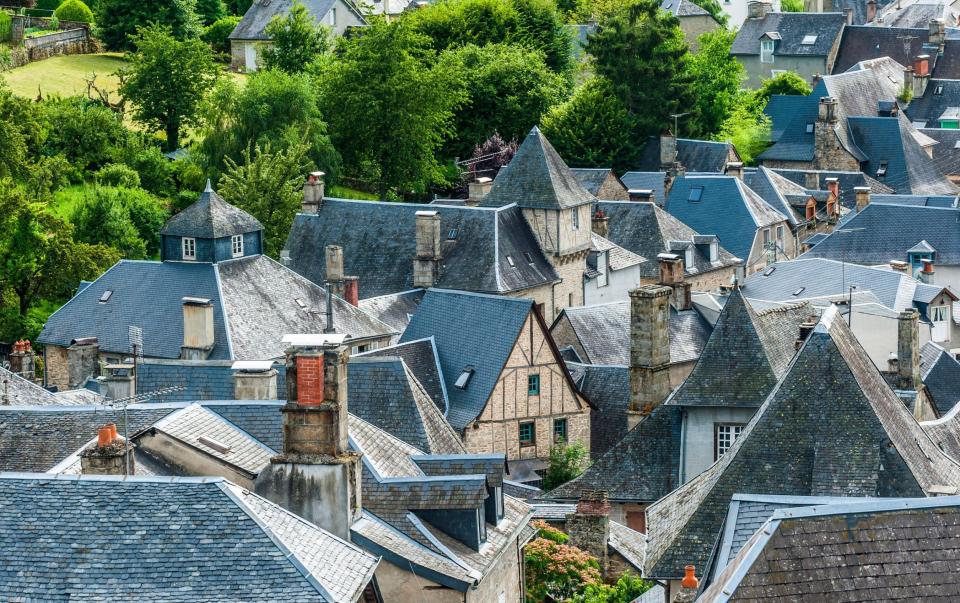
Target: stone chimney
827, 110
589, 526
848, 15
863, 197
254, 380
198, 337
671, 275
120, 382
344, 287
649, 350
22, 360
317, 476
640, 195
757, 9
735, 169
921, 74
668, 150
871, 10
313, 191
107, 455
600, 223
908, 350
811, 180
908, 79
833, 186
937, 33
927, 272
426, 264
806, 328
478, 189
83, 361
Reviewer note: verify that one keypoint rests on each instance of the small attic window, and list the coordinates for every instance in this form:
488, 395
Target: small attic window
938, 90
696, 194
882, 170
810, 128
464, 378
300, 303
769, 271
529, 257
798, 291
106, 296
956, 145
452, 234
809, 40
510, 261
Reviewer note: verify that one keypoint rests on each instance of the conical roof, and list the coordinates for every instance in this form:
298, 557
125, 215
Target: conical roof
210, 218
537, 178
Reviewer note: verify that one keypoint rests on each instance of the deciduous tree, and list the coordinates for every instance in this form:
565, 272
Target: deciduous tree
717, 77
119, 20
297, 41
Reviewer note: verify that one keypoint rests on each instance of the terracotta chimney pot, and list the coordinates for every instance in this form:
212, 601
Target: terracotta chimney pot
104, 437
690, 578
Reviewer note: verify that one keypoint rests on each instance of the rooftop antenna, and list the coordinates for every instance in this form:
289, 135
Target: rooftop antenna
906, 44
135, 338
122, 404
329, 324
676, 117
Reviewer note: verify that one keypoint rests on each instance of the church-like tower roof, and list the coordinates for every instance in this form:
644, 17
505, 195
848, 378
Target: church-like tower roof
210, 218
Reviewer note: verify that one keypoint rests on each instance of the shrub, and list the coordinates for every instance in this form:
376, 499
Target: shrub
549, 532
6, 24
558, 572
6, 58
115, 174
217, 35
74, 10
566, 463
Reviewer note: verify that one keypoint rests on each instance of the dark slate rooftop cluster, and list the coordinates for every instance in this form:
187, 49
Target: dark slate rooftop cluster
793, 30
693, 155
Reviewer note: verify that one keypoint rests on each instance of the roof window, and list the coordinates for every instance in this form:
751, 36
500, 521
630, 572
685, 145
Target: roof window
510, 261
212, 443
769, 271
106, 296
938, 90
882, 170
696, 194
809, 40
529, 257
810, 128
798, 291
300, 303
464, 379
452, 234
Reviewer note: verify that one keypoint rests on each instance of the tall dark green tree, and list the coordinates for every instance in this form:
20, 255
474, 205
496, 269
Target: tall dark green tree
167, 79
390, 106
298, 40
640, 50
119, 20
211, 11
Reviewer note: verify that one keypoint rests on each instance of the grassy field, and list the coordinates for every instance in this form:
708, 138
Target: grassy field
343, 192
64, 75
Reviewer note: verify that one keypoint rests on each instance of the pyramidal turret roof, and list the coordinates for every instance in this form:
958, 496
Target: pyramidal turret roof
210, 218
537, 178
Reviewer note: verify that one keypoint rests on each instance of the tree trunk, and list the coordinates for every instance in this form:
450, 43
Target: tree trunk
173, 136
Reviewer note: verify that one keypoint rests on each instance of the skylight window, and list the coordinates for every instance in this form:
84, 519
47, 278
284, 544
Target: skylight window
529, 257
810, 128
464, 379
106, 296
938, 90
809, 40
769, 271
882, 170
798, 291
212, 443
452, 234
696, 193
510, 261
300, 303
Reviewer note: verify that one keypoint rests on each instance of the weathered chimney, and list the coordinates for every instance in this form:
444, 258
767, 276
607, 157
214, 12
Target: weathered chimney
478, 190
351, 290
313, 191
833, 186
735, 169
899, 265
908, 79
863, 197
640, 195
921, 74
806, 328
108, 455
317, 476
198, 337
600, 223
827, 110
120, 382
908, 349
927, 272
334, 260
83, 361
871, 10
649, 350
426, 264
671, 275
589, 526
689, 586
254, 380
668, 150
936, 33
848, 15
811, 180
757, 9
22, 360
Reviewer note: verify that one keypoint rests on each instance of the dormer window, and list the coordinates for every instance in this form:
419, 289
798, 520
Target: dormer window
766, 50
575, 218
189, 248
688, 258
714, 251
236, 245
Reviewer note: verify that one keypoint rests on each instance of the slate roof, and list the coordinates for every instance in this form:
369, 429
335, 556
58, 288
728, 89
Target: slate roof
162, 539
830, 427
948, 201
855, 551
469, 330
948, 63
608, 388
200, 379
210, 217
652, 181
618, 258
727, 208
420, 357
693, 155
940, 373
778, 192
603, 333
394, 309
881, 233
593, 180
682, 8
537, 178
929, 107
258, 16
17, 391
792, 27
384, 392
631, 545
864, 42
379, 243
917, 14
847, 181
647, 230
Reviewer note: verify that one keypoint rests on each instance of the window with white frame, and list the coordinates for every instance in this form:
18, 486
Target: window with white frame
189, 248
940, 315
333, 16
766, 51
575, 218
236, 245
724, 435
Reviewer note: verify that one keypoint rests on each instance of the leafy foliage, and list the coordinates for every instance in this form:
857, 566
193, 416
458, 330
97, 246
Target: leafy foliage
211, 11
117, 174
74, 10
167, 79
390, 105
545, 530
298, 41
557, 572
716, 11
217, 35
127, 219
494, 153
87, 134
748, 130
509, 88
718, 76
791, 6
567, 461
594, 128
268, 185
119, 21
788, 83
627, 588
6, 24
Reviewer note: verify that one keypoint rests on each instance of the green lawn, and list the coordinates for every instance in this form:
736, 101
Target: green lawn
64, 75
343, 192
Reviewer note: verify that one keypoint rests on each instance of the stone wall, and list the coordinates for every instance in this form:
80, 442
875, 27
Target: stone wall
72, 38
502, 582
55, 366
398, 584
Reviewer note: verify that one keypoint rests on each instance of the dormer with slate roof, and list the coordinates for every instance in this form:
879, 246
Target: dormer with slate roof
210, 230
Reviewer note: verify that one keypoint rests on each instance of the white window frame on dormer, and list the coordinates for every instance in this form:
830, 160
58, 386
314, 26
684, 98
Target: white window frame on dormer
188, 246
236, 245
714, 251
766, 50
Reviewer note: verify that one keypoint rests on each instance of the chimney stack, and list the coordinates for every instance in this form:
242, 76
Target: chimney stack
927, 272
863, 197
478, 190
316, 476
198, 334
254, 380
108, 455
313, 191
120, 382
908, 350
671, 275
921, 74
83, 361
589, 526
22, 360
426, 264
649, 350
600, 223
937, 33
735, 169
833, 186
757, 9
668, 150
689, 586
344, 287
899, 265
640, 195
871, 10
827, 110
